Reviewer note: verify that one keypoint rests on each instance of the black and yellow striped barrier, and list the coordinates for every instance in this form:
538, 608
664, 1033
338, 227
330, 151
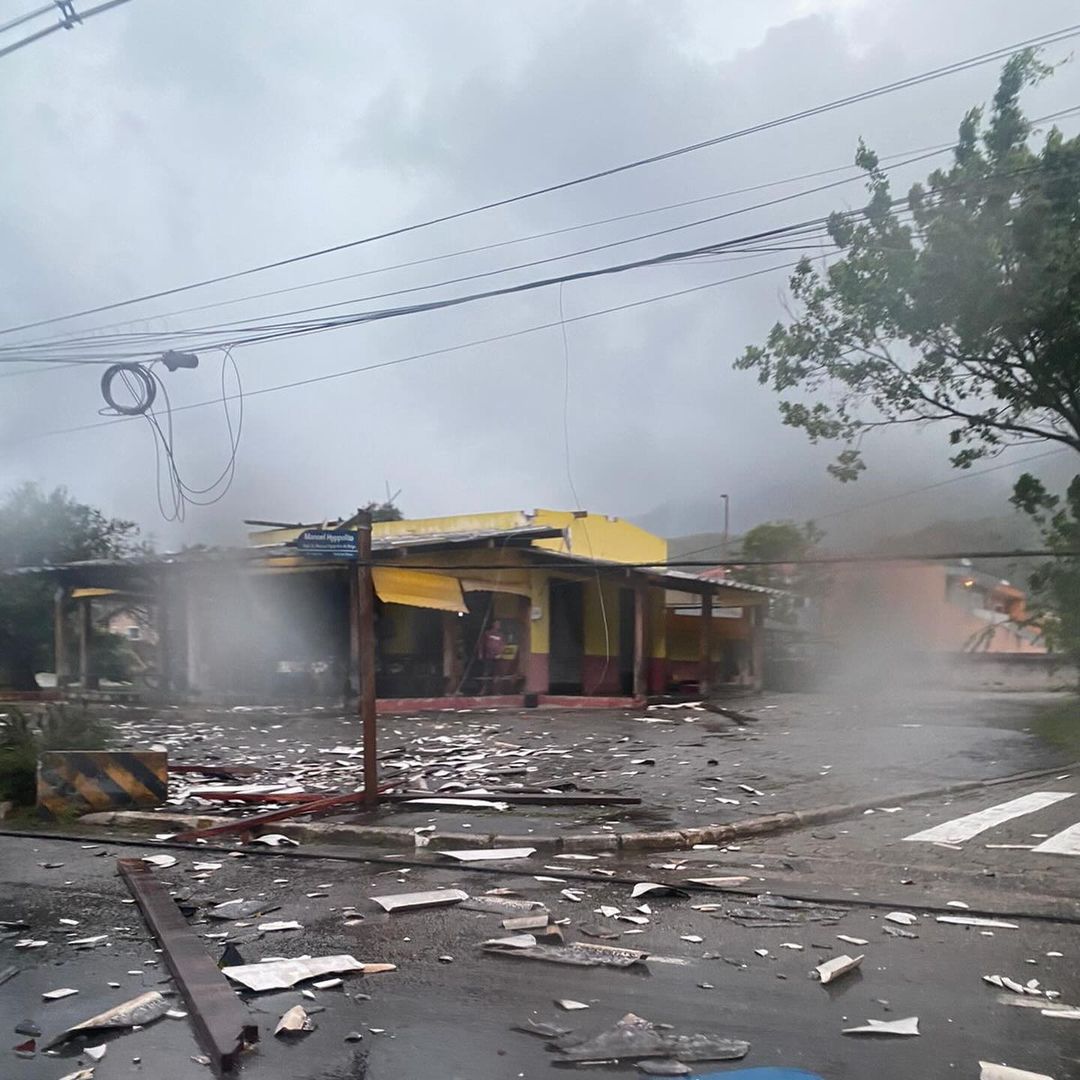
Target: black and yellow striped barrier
83, 781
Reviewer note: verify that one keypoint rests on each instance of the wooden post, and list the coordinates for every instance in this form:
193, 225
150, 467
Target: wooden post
451, 661
60, 657
705, 662
641, 601
85, 627
365, 609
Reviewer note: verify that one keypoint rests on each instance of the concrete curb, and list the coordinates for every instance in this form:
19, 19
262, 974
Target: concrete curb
654, 840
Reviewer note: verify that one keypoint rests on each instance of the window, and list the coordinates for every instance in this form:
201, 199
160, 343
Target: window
134, 633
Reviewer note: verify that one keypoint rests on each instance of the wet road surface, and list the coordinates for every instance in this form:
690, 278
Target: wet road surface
449, 1020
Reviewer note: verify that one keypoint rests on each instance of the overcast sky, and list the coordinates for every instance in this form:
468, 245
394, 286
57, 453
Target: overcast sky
172, 140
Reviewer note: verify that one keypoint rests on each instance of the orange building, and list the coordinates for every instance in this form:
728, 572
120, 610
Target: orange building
927, 608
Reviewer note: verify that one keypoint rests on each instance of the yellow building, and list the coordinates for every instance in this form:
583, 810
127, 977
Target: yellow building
511, 605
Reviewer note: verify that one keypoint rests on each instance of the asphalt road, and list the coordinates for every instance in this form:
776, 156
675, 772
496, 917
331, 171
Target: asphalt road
445, 1020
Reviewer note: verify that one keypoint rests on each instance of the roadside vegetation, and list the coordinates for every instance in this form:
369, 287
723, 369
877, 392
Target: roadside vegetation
26, 732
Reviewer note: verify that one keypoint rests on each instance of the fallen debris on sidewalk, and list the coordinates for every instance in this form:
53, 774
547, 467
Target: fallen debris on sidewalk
908, 1026
634, 1038
578, 953
489, 854
990, 1071
412, 901
284, 974
294, 1022
970, 920
138, 1012
838, 966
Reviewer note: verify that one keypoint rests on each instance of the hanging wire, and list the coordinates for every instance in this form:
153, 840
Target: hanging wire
144, 384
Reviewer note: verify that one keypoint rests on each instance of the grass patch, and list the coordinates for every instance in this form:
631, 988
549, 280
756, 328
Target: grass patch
1059, 725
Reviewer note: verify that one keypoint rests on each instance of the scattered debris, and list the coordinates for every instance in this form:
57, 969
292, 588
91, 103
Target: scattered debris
570, 1005
852, 940
908, 1026
718, 882
162, 862
411, 901
294, 1022
654, 888
989, 1071
354, 1036
902, 918
275, 840
138, 1012
271, 927
526, 922
663, 1067
574, 895
504, 905
634, 1037
896, 931
241, 909
836, 967
970, 920
96, 1053
56, 995
579, 954
545, 1031
489, 854
694, 939
283, 974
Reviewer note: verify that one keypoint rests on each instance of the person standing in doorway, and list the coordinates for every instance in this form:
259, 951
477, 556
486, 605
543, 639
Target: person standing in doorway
492, 644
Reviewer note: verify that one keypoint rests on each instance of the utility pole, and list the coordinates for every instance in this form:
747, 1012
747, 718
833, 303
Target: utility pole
365, 660
727, 508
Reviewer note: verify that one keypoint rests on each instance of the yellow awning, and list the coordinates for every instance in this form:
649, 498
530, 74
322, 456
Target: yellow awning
83, 594
418, 588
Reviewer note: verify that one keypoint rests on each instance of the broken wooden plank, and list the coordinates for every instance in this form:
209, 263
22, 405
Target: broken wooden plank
222, 1024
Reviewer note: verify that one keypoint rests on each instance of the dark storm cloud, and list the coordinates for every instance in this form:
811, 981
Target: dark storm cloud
168, 142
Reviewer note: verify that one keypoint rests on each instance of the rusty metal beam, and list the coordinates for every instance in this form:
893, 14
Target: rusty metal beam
249, 824
222, 1023
264, 796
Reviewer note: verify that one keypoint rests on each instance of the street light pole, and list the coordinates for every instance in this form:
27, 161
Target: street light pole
727, 508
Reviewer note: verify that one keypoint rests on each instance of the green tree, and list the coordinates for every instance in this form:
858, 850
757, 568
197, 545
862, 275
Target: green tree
37, 529
957, 305
784, 543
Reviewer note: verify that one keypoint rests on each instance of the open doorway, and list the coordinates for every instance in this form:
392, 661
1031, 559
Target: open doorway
567, 606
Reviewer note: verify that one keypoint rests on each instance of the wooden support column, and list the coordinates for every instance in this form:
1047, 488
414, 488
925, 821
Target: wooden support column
641, 605
85, 613
61, 661
451, 626
365, 607
757, 646
705, 678
163, 620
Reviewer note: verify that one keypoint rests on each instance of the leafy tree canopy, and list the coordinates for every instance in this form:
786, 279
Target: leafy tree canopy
958, 304
35, 529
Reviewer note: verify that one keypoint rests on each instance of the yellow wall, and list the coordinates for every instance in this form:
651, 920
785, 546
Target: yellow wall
601, 618
590, 535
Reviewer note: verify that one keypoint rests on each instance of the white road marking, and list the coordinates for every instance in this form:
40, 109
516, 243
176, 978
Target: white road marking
964, 828
1066, 842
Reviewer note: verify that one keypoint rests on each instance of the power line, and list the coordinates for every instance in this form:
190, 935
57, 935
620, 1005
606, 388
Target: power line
1038, 41
939, 148
66, 23
19, 20
310, 380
